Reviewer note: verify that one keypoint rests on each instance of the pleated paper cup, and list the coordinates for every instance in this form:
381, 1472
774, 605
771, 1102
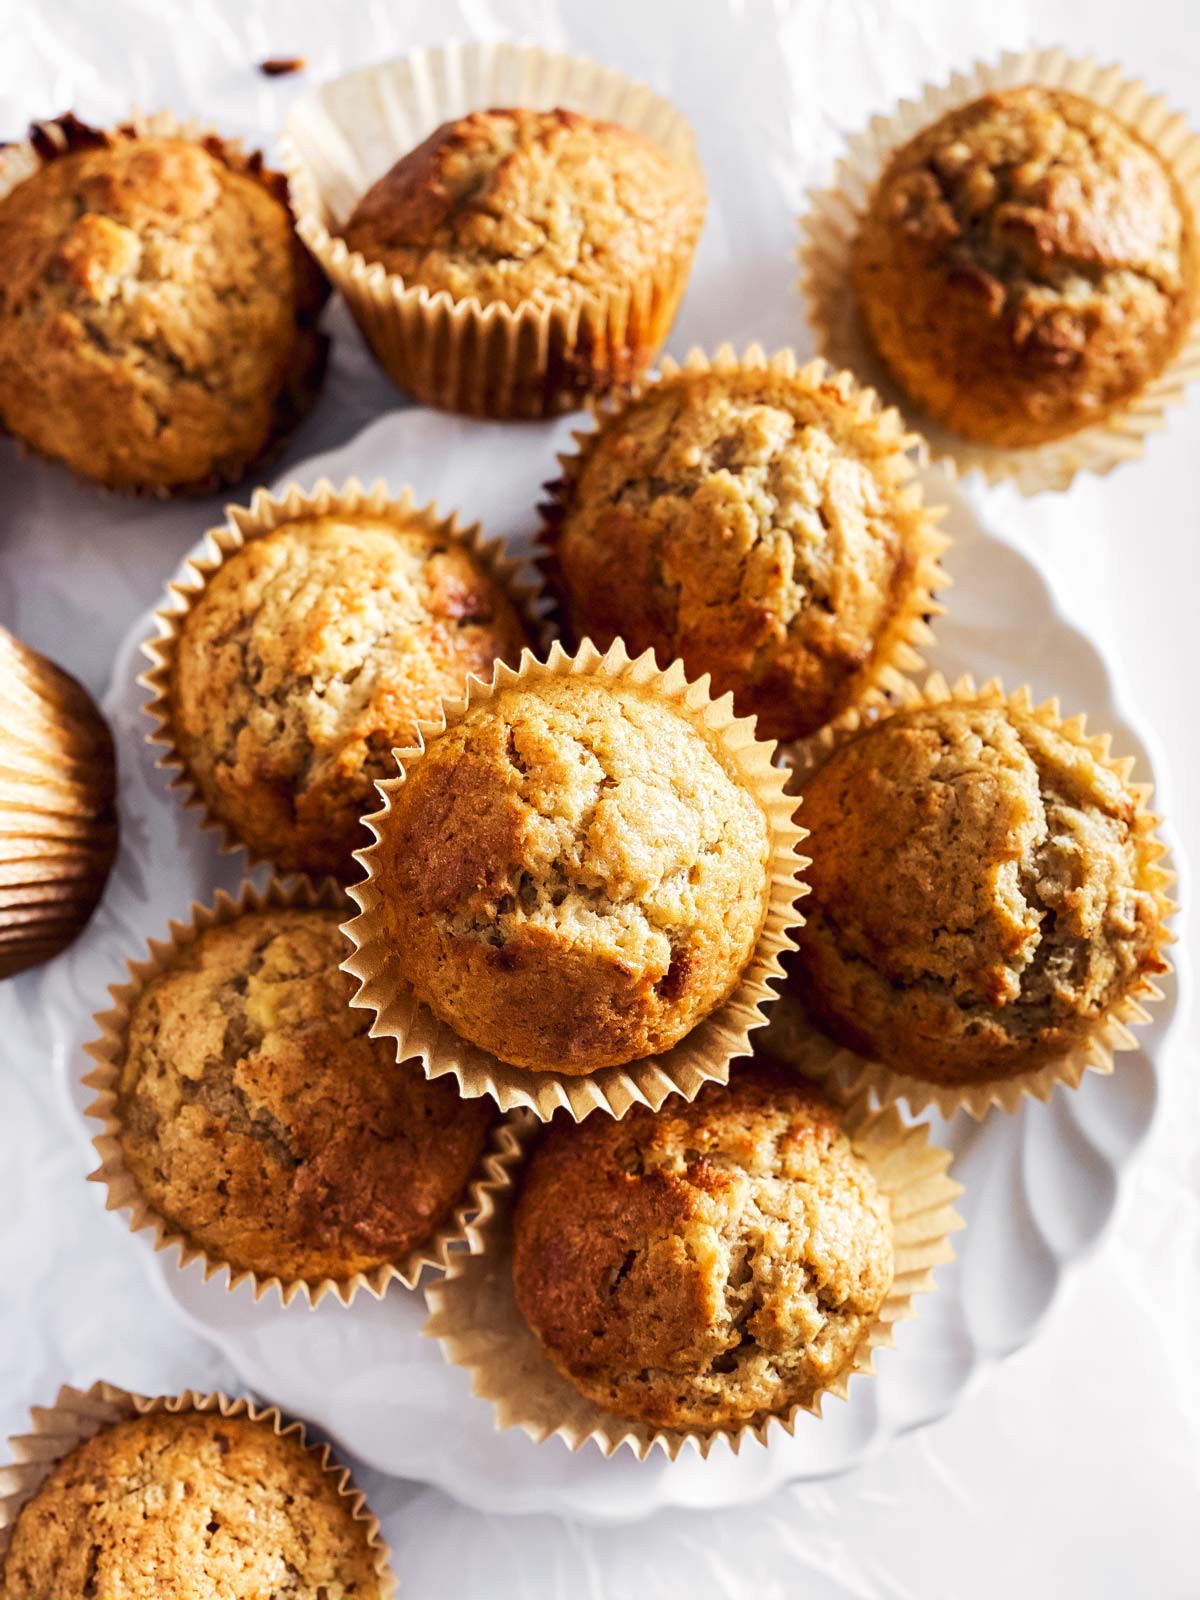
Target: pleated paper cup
66, 135
79, 1414
266, 512
494, 360
907, 632
831, 224
58, 815
108, 1051
794, 1038
704, 1054
474, 1314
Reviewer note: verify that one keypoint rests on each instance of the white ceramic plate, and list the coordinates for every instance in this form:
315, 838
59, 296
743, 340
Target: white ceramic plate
1040, 1186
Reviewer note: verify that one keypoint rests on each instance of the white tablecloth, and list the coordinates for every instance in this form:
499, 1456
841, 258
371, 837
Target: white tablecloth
1074, 1470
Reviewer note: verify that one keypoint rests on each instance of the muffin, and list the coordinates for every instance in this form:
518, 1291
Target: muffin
193, 1505
157, 313
58, 815
759, 523
984, 895
578, 232
709, 1267
1026, 265
311, 652
573, 875
260, 1121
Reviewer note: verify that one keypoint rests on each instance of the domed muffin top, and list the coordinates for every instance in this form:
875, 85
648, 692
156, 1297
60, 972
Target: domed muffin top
756, 524
709, 1266
192, 1505
1047, 259
312, 653
259, 1119
979, 890
571, 877
515, 205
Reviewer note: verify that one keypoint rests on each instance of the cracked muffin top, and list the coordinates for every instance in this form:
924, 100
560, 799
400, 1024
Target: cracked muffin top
157, 313
981, 892
752, 523
572, 877
311, 654
259, 1119
195, 1505
1026, 265
512, 206
708, 1266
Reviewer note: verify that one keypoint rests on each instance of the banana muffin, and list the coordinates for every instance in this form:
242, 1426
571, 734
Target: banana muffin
518, 207
157, 312
981, 892
754, 523
192, 1505
311, 654
707, 1267
1025, 266
571, 877
258, 1118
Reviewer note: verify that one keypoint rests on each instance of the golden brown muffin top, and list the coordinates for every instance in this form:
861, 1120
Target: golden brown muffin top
516, 205
160, 273
195, 1506
311, 654
259, 1118
1028, 238
709, 1265
985, 860
572, 876
749, 522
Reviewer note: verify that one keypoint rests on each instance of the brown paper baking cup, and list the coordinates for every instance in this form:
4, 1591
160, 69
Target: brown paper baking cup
794, 1039
474, 1315
265, 513
80, 1414
65, 135
124, 1194
532, 361
831, 223
58, 816
908, 631
703, 1055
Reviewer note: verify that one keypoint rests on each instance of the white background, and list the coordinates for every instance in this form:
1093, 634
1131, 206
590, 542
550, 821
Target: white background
1072, 1471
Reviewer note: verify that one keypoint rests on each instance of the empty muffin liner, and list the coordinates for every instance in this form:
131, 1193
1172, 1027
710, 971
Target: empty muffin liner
474, 1314
58, 818
80, 1414
794, 1039
59, 136
830, 225
704, 1054
493, 1173
492, 360
908, 630
265, 513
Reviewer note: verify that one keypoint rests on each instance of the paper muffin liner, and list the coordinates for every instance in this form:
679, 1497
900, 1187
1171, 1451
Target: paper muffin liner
493, 360
493, 1173
265, 513
58, 817
79, 1414
704, 1054
475, 1318
65, 135
831, 224
908, 630
794, 1039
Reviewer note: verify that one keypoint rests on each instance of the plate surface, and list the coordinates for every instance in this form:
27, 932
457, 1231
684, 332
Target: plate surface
1040, 1185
